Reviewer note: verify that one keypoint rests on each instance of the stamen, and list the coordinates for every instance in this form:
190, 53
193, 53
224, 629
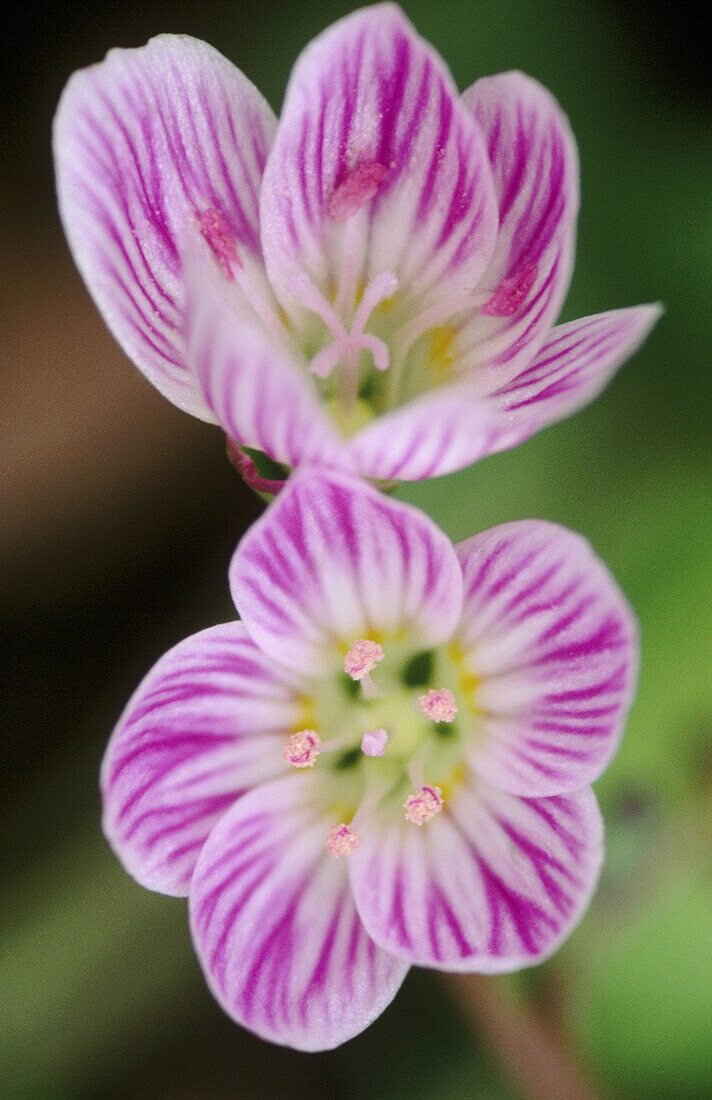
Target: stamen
431, 317
362, 658
439, 704
219, 234
341, 841
358, 186
423, 805
511, 292
352, 261
369, 690
216, 230
373, 743
434, 316
302, 748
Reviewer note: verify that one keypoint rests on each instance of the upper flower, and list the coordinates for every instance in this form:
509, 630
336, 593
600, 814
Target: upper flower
371, 282
386, 762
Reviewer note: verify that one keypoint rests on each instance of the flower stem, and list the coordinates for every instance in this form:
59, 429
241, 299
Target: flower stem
532, 1053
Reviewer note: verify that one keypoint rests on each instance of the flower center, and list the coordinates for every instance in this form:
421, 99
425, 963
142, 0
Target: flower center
387, 724
370, 346
346, 345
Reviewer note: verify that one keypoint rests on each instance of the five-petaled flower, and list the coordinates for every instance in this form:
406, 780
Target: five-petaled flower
371, 282
331, 827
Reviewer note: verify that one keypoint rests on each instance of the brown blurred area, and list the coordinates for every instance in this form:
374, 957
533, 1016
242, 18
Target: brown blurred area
110, 496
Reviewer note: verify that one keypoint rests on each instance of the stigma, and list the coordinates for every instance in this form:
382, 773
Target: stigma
302, 748
362, 658
373, 743
342, 841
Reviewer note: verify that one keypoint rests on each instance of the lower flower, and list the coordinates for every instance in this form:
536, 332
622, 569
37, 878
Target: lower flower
388, 761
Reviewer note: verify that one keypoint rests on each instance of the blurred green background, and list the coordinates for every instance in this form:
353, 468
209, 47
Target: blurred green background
120, 515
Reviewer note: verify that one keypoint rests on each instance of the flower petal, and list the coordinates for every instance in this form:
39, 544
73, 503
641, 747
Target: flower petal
332, 561
535, 167
456, 425
276, 929
258, 393
145, 143
206, 724
574, 364
493, 883
551, 641
441, 431
376, 168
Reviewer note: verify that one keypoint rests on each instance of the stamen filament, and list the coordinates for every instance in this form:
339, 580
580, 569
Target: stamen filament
415, 772
351, 263
334, 744
369, 689
369, 802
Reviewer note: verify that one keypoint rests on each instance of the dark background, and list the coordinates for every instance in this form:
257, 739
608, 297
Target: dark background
120, 514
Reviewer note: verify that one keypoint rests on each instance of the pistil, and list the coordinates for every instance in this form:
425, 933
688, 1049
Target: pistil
218, 233
346, 346
373, 742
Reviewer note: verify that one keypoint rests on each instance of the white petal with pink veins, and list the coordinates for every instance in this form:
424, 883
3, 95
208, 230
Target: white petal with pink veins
552, 643
535, 168
207, 723
376, 167
276, 929
145, 144
332, 562
490, 884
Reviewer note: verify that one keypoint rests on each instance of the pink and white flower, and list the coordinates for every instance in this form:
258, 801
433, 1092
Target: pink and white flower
372, 281
327, 829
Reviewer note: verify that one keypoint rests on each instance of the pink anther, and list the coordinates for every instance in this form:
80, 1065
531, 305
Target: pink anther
362, 658
439, 704
511, 292
356, 188
374, 742
424, 804
302, 748
218, 233
341, 841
